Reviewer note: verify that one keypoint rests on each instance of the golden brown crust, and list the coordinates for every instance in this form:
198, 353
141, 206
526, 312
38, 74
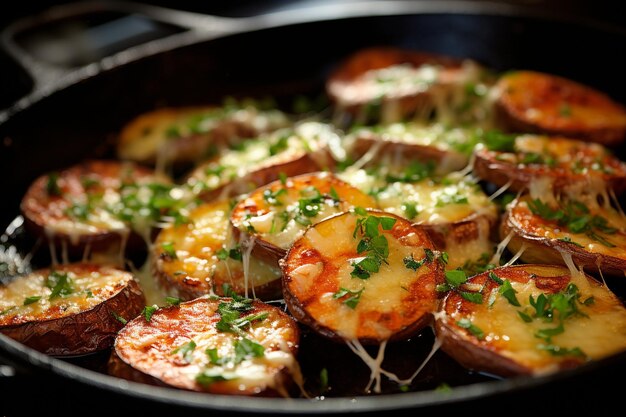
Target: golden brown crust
402, 151
536, 102
361, 62
529, 232
264, 174
198, 270
486, 354
256, 205
155, 363
148, 138
95, 329
309, 302
578, 162
43, 210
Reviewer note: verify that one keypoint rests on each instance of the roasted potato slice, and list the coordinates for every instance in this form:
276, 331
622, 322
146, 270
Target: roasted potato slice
276, 215
216, 345
363, 275
454, 211
97, 204
530, 320
306, 148
531, 102
591, 235
71, 309
391, 84
201, 256
192, 134
395, 144
565, 161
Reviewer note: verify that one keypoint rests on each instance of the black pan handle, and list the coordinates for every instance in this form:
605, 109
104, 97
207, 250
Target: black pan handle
73, 41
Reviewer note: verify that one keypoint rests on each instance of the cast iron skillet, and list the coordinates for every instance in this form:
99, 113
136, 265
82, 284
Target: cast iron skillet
62, 115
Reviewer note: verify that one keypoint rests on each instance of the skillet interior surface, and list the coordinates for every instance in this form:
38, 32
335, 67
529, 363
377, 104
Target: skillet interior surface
81, 121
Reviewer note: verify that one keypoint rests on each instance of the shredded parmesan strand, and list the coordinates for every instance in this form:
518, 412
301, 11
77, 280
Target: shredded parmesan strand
435, 348
519, 253
368, 156
567, 258
373, 363
495, 260
247, 243
500, 190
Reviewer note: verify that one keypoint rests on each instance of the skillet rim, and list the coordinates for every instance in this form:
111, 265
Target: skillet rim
411, 400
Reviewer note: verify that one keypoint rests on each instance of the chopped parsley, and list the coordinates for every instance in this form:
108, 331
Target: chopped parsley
186, 350
323, 380
60, 283
575, 216
169, 251
52, 184
234, 253
454, 280
173, 301
119, 318
567, 239
230, 314
416, 171
373, 244
410, 209
508, 292
354, 297
32, 299
411, 263
465, 323
148, 311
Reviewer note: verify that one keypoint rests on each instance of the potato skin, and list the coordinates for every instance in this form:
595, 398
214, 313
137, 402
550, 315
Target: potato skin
155, 365
358, 64
264, 174
531, 101
150, 131
450, 159
499, 167
200, 240
484, 355
41, 210
87, 331
521, 223
256, 205
412, 314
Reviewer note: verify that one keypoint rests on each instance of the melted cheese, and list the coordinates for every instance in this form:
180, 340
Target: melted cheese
281, 147
601, 334
88, 290
253, 373
553, 231
383, 292
435, 203
196, 245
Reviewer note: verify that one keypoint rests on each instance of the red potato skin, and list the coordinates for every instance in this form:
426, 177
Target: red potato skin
382, 57
192, 148
270, 252
420, 303
366, 140
266, 174
542, 250
39, 208
524, 90
463, 231
191, 317
188, 288
482, 356
487, 167
86, 332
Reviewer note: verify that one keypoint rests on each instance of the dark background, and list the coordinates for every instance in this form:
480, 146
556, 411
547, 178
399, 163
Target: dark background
42, 392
